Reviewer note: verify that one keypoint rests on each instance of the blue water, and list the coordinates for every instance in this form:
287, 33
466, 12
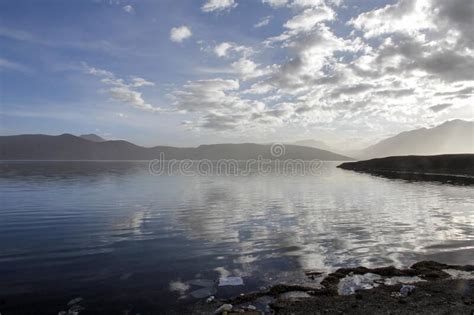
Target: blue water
113, 227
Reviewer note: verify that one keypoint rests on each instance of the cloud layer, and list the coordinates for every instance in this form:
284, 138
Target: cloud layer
399, 64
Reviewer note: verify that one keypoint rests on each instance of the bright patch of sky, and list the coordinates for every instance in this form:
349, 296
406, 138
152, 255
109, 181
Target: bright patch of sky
189, 72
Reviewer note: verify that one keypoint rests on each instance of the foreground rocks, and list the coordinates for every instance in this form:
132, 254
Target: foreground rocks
435, 289
425, 288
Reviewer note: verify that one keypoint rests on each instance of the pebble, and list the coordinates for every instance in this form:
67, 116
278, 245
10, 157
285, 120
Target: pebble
231, 281
210, 299
406, 290
224, 308
75, 301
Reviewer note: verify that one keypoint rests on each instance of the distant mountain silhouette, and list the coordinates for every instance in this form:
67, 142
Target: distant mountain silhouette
92, 137
451, 137
69, 147
313, 144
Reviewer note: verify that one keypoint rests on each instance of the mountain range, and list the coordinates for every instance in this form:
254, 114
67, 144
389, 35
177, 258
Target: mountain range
70, 147
318, 144
451, 137
92, 137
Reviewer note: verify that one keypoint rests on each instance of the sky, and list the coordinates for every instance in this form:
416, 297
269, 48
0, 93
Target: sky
188, 72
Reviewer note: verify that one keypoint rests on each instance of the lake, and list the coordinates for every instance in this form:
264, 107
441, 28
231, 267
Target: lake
113, 230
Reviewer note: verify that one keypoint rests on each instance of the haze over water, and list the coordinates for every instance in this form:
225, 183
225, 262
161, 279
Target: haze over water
66, 226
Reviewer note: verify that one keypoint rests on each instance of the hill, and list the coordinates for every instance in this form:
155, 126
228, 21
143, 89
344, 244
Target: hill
92, 137
451, 137
318, 144
70, 147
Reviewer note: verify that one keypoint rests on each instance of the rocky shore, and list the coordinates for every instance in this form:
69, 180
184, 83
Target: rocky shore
425, 288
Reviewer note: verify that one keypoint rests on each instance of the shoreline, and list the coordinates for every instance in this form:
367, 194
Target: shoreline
454, 179
454, 169
427, 287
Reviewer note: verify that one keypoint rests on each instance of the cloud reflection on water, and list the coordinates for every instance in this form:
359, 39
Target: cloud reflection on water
120, 220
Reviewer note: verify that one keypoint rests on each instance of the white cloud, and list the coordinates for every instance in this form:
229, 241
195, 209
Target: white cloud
178, 34
275, 3
263, 22
307, 3
220, 107
309, 18
122, 91
259, 88
222, 49
218, 5
407, 16
226, 48
205, 94
248, 69
10, 65
244, 67
301, 3
137, 82
128, 8
126, 95
434, 39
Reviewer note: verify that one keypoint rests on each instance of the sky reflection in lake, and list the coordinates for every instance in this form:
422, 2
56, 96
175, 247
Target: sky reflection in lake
88, 224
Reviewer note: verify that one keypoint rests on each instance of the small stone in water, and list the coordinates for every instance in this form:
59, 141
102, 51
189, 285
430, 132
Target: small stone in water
224, 308
231, 281
406, 290
75, 310
75, 301
351, 283
210, 299
402, 280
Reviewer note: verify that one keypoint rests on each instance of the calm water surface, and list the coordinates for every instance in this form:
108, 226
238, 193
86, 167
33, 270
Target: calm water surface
111, 226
